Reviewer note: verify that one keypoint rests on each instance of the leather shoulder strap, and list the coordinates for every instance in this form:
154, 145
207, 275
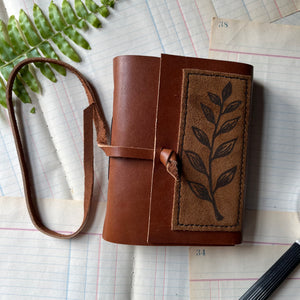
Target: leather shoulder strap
92, 112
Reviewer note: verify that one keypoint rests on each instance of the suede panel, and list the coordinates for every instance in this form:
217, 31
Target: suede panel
212, 148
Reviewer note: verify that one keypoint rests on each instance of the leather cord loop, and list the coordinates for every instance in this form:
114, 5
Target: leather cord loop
92, 112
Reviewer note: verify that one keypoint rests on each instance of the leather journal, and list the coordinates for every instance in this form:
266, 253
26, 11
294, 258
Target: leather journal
189, 117
178, 150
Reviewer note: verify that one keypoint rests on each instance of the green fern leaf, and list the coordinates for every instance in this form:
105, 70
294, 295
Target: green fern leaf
23, 38
65, 47
15, 36
6, 51
71, 17
56, 18
110, 3
48, 51
7, 54
103, 11
18, 86
59, 24
42, 23
76, 37
28, 29
93, 7
44, 68
83, 13
20, 47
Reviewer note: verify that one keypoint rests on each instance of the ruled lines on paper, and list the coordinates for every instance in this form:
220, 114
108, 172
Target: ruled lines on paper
258, 10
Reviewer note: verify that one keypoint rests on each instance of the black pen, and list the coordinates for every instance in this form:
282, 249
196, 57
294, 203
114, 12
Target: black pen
268, 282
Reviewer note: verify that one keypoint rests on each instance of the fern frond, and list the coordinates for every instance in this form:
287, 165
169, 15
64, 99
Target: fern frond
24, 38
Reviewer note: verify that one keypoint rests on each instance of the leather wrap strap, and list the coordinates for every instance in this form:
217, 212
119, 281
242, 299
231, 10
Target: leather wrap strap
92, 112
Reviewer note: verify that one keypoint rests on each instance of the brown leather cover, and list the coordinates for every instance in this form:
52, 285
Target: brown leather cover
142, 195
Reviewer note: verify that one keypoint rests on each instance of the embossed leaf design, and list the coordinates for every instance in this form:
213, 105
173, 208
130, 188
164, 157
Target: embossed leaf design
228, 125
199, 190
232, 106
225, 149
226, 91
196, 161
201, 136
214, 98
226, 177
209, 115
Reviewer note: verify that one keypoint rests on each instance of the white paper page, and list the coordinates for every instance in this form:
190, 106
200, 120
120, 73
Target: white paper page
293, 19
227, 274
260, 10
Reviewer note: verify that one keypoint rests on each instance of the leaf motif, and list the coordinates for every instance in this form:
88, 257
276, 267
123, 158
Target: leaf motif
209, 115
226, 91
228, 126
201, 136
199, 190
226, 177
28, 29
42, 23
225, 149
65, 47
196, 161
71, 17
83, 13
232, 106
214, 98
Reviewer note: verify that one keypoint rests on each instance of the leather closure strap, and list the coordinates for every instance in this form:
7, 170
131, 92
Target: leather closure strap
91, 113
127, 152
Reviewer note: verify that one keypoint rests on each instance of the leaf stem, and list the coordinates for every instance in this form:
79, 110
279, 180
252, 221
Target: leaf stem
209, 175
